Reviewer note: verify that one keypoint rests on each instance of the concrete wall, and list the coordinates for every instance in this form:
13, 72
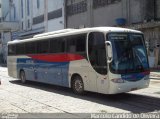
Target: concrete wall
6, 37
134, 11
44, 7
5, 9
37, 12
106, 16
131, 10
57, 23
79, 20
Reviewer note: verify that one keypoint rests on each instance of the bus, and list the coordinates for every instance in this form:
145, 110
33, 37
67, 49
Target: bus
107, 60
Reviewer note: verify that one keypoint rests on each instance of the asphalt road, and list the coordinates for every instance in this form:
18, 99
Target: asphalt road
42, 98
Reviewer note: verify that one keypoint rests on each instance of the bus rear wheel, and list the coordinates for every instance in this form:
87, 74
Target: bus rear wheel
22, 77
77, 85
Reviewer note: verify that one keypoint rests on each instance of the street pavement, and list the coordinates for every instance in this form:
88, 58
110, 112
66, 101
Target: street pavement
42, 98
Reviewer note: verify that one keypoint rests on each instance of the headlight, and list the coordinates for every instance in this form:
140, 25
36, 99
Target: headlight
118, 80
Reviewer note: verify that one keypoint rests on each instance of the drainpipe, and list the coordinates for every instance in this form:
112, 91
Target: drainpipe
65, 13
46, 15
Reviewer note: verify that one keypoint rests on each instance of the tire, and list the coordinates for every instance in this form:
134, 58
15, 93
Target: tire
22, 77
77, 85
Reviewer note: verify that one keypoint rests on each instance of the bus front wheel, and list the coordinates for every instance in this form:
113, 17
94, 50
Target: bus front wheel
77, 85
22, 77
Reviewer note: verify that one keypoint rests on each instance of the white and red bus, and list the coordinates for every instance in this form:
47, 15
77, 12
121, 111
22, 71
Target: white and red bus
106, 60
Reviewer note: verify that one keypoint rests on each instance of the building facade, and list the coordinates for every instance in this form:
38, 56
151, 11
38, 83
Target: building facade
38, 16
8, 23
24, 18
89, 13
142, 15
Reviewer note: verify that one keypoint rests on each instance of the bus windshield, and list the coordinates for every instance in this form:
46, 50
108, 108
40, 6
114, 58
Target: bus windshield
129, 53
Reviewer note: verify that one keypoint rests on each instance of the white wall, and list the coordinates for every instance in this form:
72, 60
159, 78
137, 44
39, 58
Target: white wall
57, 23
49, 6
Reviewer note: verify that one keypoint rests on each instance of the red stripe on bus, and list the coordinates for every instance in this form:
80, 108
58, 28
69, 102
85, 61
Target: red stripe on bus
57, 57
146, 72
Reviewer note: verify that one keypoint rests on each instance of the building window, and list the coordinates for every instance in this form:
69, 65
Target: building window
102, 3
28, 9
55, 14
38, 4
22, 25
76, 8
22, 8
28, 23
39, 19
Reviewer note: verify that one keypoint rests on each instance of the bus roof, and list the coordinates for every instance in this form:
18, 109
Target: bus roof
67, 32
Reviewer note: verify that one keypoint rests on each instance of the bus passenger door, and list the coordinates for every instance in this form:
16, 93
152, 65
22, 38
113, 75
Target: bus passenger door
98, 60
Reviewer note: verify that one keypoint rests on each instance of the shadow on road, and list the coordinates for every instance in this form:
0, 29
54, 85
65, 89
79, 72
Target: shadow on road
126, 101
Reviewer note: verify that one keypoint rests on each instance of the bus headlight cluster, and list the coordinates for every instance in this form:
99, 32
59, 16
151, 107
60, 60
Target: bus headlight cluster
118, 80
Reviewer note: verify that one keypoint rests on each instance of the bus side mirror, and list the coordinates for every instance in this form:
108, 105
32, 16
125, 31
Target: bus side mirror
109, 51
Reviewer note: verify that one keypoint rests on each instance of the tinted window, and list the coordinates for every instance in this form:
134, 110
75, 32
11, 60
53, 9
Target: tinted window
57, 45
43, 46
30, 48
97, 52
130, 55
76, 43
71, 44
11, 49
20, 49
81, 43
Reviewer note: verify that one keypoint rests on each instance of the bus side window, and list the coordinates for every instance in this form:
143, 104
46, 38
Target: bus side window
57, 45
43, 46
30, 47
11, 50
71, 44
97, 52
20, 49
76, 43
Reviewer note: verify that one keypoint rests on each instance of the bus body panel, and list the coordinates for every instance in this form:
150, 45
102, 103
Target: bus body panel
127, 86
93, 81
41, 71
84, 69
58, 69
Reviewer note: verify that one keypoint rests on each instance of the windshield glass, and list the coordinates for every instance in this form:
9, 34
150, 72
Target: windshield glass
129, 53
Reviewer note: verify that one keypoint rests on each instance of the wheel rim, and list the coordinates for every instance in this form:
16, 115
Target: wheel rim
78, 86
